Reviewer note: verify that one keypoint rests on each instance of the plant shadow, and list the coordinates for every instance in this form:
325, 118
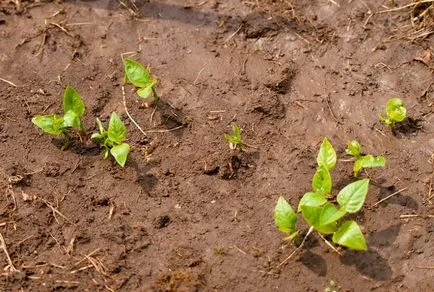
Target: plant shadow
146, 180
385, 237
398, 199
314, 262
155, 9
371, 263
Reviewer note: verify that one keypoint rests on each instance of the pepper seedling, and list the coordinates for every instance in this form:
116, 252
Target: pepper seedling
320, 213
141, 78
73, 110
395, 112
234, 140
363, 161
113, 139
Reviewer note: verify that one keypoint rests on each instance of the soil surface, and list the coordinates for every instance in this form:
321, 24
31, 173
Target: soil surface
187, 213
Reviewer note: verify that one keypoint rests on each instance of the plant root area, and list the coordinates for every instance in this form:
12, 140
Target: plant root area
187, 213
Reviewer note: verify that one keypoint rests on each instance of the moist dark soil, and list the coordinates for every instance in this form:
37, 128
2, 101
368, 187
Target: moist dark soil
187, 213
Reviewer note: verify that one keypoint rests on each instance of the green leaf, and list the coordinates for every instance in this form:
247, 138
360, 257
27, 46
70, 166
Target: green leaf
146, 91
333, 215
120, 153
354, 148
284, 216
352, 196
51, 124
100, 126
326, 155
97, 137
72, 102
368, 161
395, 110
322, 181
236, 131
350, 235
231, 139
137, 74
116, 130
311, 199
318, 216
71, 120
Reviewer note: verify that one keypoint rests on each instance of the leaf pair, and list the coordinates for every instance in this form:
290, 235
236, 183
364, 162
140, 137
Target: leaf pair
234, 140
326, 160
140, 77
395, 112
324, 216
113, 139
73, 109
363, 161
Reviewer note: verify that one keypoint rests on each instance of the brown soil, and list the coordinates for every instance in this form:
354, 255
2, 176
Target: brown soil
187, 213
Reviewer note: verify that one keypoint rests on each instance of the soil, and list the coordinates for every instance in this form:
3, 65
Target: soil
187, 213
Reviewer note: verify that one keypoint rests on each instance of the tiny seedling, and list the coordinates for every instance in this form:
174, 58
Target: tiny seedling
395, 112
73, 110
321, 213
234, 140
363, 161
113, 139
141, 78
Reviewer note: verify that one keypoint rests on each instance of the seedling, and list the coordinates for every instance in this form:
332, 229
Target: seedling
141, 78
113, 139
319, 212
395, 112
363, 161
73, 109
234, 140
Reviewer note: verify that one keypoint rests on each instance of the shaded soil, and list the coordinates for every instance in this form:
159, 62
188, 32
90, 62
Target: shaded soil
187, 213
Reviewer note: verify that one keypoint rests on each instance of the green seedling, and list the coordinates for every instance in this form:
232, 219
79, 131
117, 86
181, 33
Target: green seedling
321, 213
73, 110
113, 139
234, 140
395, 112
363, 161
141, 78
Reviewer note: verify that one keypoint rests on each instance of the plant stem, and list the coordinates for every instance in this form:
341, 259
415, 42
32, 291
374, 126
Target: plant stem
128, 114
299, 247
156, 97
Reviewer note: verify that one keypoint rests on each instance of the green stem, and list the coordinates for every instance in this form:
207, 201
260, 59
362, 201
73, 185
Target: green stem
156, 97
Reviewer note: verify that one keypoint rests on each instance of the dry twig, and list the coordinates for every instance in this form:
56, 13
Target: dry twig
11, 266
389, 196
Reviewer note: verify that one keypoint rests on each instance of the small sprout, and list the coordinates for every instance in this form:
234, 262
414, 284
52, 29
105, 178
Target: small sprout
320, 213
332, 287
234, 140
113, 139
141, 78
73, 110
354, 148
395, 112
363, 161
219, 250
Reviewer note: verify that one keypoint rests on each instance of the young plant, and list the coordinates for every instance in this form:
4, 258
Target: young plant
320, 213
395, 112
113, 139
234, 140
141, 78
363, 161
73, 110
